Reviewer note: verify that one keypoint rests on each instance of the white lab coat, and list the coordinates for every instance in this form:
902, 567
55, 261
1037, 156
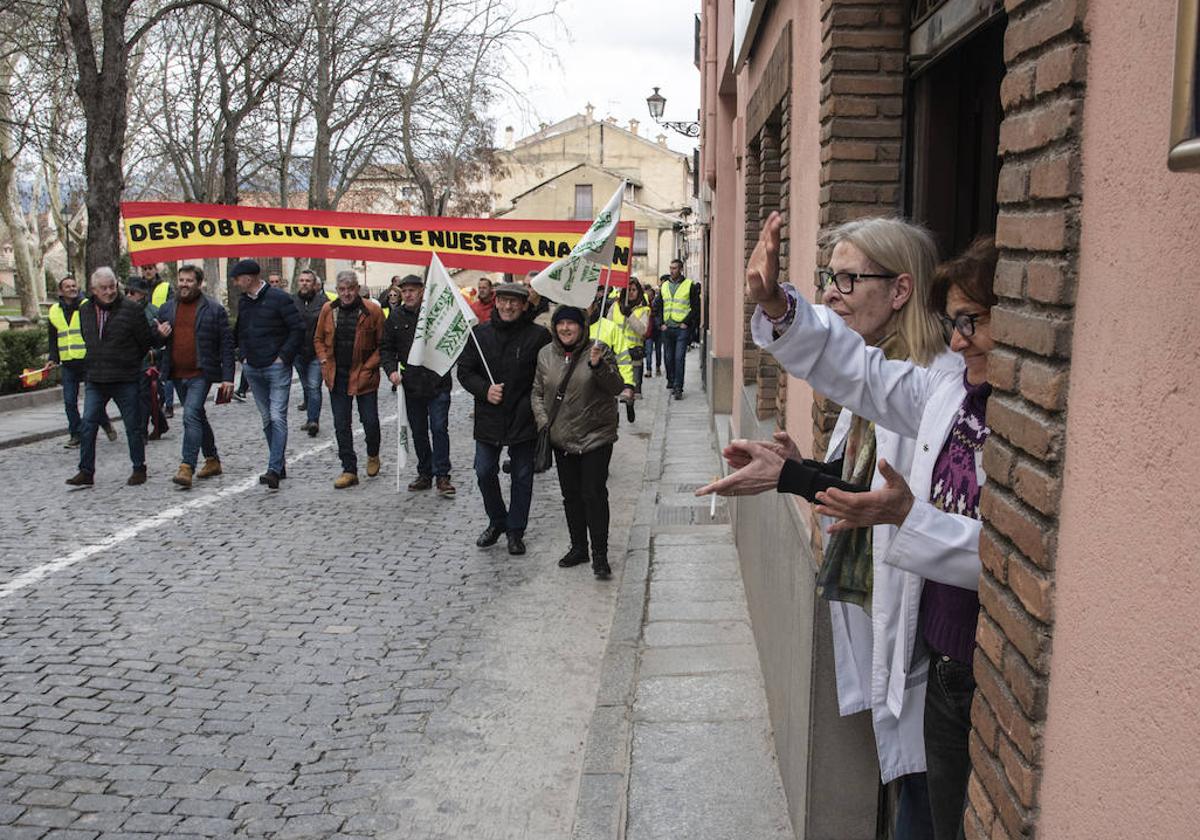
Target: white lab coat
873, 653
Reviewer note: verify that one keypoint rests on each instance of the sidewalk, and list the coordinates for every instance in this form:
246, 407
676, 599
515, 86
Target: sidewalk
680, 743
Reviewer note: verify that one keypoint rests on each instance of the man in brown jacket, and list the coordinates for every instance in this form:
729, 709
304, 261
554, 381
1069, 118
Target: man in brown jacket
347, 346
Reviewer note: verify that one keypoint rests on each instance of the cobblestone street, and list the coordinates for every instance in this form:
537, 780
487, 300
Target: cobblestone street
232, 661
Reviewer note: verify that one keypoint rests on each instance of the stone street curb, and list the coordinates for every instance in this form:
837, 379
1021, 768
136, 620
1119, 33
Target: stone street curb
30, 399
32, 437
601, 808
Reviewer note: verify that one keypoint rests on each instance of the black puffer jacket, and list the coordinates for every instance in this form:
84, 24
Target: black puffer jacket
511, 350
214, 339
398, 333
127, 338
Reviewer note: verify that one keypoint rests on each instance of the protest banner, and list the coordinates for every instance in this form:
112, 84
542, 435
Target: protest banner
159, 231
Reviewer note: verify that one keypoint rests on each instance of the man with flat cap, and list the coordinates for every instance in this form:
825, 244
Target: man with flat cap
510, 342
268, 335
426, 395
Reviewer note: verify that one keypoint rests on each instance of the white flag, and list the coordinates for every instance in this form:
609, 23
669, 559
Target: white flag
444, 325
573, 279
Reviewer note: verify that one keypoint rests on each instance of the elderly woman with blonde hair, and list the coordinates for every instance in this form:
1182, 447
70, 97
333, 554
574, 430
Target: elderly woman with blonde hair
877, 283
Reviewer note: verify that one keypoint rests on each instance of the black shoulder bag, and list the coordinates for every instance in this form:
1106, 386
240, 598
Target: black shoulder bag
543, 453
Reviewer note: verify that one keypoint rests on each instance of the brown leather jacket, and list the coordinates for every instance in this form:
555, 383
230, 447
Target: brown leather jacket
364, 369
588, 417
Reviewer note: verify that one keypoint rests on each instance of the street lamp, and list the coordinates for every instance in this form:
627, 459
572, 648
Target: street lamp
657, 103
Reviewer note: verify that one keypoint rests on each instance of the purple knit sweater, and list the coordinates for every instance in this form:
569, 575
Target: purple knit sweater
949, 613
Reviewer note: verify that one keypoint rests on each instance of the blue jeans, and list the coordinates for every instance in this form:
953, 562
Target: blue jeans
368, 415
913, 820
272, 386
515, 517
167, 394
675, 345
424, 417
653, 346
197, 433
95, 399
947, 727
310, 381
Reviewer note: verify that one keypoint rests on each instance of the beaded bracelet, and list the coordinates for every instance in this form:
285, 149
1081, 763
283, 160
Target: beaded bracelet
787, 317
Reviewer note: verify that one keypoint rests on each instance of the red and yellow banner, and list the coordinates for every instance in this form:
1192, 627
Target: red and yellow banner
159, 230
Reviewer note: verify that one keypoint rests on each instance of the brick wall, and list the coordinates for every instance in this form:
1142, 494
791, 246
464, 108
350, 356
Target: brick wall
1037, 232
862, 104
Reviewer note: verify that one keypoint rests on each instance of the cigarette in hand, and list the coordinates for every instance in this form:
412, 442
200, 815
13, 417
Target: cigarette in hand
712, 505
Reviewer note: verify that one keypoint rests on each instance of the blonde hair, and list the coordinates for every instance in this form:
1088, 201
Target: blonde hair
901, 247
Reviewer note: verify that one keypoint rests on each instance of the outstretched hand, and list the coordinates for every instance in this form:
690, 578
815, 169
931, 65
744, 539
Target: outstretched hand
889, 505
737, 455
760, 471
762, 271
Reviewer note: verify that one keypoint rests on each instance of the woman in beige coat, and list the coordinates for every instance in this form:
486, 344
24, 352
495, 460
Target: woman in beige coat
583, 432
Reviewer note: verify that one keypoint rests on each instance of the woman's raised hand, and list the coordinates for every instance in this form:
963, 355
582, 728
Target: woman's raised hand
762, 271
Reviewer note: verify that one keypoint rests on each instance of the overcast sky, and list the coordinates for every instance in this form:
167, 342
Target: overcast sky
611, 53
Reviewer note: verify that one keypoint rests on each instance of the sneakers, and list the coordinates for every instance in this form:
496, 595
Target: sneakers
423, 482
574, 557
313, 428
346, 479
212, 466
184, 476
111, 433
137, 477
600, 567
72, 442
270, 478
444, 488
81, 479
372, 465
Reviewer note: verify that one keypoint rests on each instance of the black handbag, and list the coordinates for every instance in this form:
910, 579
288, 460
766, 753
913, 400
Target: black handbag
543, 453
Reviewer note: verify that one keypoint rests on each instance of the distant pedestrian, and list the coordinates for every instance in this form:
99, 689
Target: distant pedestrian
159, 291
510, 342
426, 395
117, 338
652, 344
268, 335
276, 281
309, 301
583, 430
69, 353
347, 341
680, 319
485, 300
199, 352
150, 387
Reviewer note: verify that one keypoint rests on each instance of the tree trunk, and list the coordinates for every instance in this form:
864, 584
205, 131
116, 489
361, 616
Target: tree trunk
229, 195
26, 273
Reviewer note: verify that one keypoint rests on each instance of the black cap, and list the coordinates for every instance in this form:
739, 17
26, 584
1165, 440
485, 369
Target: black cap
411, 280
569, 313
244, 267
513, 290
137, 283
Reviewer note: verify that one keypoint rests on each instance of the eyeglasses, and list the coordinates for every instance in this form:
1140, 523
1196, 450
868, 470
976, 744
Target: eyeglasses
964, 324
844, 281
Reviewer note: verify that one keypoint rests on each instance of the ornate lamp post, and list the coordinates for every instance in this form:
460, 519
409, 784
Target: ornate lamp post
657, 103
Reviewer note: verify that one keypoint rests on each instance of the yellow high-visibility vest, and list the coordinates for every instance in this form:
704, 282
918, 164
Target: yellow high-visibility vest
331, 295
159, 296
606, 332
632, 338
677, 306
70, 338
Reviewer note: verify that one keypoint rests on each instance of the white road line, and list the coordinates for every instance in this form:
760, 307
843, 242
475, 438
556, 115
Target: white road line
29, 578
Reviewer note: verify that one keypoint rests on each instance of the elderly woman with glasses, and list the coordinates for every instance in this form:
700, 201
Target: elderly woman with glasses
875, 288
933, 516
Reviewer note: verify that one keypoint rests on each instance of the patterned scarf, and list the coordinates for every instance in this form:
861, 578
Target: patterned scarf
847, 568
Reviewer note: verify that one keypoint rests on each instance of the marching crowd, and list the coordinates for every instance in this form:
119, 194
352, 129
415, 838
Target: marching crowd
546, 381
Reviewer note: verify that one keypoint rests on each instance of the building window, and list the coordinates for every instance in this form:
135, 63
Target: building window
641, 242
583, 201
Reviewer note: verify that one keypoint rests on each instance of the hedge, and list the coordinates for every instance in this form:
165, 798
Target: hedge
20, 349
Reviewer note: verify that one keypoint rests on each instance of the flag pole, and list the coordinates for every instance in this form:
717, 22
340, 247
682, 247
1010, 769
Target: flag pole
483, 358
607, 283
399, 434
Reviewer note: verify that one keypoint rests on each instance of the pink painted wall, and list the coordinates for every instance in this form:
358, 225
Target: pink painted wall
804, 171
1123, 726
